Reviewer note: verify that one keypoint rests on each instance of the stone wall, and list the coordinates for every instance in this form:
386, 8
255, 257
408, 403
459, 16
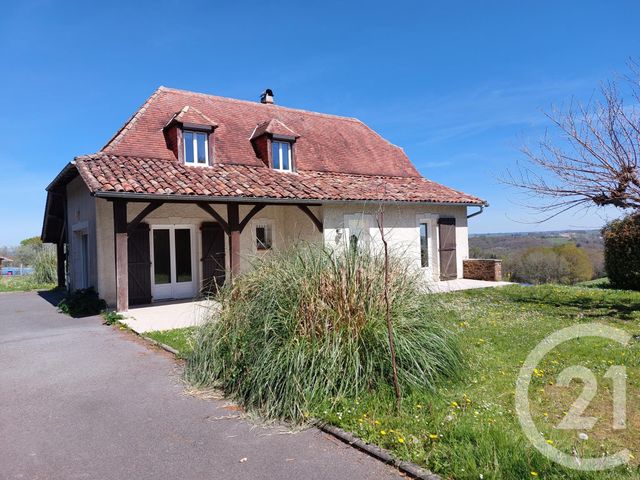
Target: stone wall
482, 269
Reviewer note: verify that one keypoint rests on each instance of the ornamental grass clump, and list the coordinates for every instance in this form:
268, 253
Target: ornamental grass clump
307, 327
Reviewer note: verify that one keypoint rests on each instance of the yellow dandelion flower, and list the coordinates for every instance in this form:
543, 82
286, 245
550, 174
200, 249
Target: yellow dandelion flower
534, 474
433, 436
382, 432
550, 442
400, 440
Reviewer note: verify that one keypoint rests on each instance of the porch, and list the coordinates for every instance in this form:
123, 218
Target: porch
176, 249
170, 249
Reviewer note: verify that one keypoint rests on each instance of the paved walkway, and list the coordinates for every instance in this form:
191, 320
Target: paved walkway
79, 400
462, 284
169, 315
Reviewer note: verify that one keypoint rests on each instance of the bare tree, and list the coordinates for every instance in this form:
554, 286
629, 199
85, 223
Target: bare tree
387, 302
594, 159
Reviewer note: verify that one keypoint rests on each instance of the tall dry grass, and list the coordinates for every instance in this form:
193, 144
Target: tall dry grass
307, 326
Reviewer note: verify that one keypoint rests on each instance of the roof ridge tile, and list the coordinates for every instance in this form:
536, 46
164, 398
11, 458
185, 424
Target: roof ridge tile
266, 105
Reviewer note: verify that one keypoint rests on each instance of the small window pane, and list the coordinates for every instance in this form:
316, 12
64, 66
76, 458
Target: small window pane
201, 138
188, 147
161, 259
424, 245
183, 254
276, 155
286, 150
263, 237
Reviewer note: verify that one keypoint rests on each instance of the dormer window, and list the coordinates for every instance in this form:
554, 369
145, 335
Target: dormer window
196, 148
282, 156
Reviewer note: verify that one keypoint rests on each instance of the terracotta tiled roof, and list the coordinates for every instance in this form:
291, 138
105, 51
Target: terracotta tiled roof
104, 173
326, 143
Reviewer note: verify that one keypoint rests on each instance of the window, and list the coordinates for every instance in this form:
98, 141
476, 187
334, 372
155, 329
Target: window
424, 244
359, 226
196, 149
264, 237
282, 156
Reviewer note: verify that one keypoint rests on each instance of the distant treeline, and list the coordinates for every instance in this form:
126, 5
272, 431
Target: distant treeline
560, 257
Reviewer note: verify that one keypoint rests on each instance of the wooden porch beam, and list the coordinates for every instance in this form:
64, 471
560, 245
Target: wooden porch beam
250, 215
233, 216
313, 218
217, 217
122, 260
142, 215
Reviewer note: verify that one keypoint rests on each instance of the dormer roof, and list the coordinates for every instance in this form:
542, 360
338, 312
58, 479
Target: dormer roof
191, 116
274, 127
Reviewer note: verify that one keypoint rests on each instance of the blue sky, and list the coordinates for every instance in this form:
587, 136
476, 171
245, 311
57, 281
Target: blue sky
459, 85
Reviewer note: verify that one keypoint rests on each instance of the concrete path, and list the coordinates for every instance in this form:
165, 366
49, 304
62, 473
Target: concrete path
170, 315
79, 400
462, 284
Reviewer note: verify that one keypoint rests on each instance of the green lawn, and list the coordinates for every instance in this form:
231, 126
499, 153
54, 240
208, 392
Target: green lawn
22, 283
468, 429
179, 338
598, 283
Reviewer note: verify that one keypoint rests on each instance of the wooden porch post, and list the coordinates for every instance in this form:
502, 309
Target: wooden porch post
233, 219
62, 280
122, 261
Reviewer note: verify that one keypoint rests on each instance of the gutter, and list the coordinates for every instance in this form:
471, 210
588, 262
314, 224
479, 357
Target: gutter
479, 211
147, 197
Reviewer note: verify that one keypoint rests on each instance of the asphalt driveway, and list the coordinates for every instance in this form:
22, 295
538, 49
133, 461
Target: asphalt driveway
79, 400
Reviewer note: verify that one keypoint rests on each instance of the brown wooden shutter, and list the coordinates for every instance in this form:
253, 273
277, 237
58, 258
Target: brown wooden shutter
139, 265
447, 238
213, 257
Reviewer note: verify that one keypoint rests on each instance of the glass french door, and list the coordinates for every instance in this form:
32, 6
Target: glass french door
173, 261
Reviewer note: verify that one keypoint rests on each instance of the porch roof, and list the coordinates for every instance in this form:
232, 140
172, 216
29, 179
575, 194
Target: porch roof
114, 175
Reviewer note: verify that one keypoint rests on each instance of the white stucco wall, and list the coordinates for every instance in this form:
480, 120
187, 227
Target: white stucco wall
401, 227
81, 216
289, 225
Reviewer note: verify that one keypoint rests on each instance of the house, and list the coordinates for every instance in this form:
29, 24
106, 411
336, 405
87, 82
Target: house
194, 186
4, 259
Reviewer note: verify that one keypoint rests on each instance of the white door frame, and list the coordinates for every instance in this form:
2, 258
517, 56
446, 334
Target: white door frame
174, 289
431, 220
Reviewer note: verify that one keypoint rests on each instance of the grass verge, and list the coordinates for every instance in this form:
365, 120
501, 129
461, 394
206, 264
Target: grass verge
22, 283
180, 339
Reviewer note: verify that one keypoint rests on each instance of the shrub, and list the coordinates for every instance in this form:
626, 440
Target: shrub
537, 266
622, 252
307, 327
82, 303
565, 263
579, 266
112, 318
45, 268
